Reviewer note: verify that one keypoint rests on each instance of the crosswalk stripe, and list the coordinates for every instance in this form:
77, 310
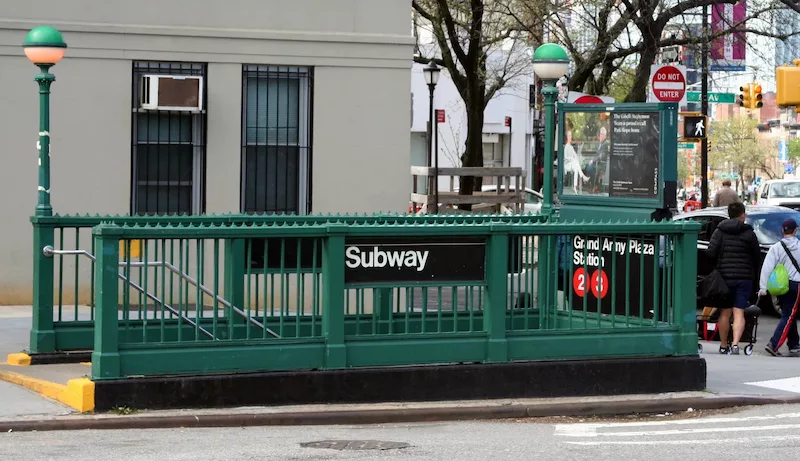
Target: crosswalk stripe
591, 429
697, 430
785, 384
740, 440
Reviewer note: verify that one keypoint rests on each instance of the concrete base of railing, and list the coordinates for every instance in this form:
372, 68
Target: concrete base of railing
563, 378
60, 357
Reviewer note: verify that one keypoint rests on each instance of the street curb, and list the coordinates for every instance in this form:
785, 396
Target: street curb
401, 415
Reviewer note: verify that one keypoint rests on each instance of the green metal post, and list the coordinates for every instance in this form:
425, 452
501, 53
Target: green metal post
234, 281
333, 296
105, 358
45, 79
550, 93
686, 291
382, 304
42, 338
496, 294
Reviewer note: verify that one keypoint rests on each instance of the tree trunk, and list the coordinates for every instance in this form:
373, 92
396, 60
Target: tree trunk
473, 154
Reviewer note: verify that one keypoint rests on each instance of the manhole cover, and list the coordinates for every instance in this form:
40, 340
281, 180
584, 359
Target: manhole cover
355, 445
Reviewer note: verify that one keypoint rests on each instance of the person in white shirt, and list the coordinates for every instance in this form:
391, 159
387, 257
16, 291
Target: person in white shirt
782, 253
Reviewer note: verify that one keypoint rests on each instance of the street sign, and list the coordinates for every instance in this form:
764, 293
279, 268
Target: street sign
668, 83
695, 126
440, 116
685, 145
722, 98
508, 122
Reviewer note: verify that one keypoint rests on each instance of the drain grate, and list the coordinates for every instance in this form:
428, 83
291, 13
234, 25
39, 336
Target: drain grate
355, 445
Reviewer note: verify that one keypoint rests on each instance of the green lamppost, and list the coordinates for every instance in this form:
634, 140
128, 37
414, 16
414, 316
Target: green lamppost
550, 62
44, 46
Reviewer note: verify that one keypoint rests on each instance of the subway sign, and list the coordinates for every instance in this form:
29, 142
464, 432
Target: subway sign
414, 260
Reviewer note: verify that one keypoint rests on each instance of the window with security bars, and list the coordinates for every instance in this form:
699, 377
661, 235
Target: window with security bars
276, 139
168, 152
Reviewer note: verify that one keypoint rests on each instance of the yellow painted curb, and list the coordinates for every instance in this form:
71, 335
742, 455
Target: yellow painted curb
46, 388
19, 359
77, 394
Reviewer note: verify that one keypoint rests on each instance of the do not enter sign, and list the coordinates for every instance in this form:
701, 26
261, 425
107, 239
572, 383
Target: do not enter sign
668, 84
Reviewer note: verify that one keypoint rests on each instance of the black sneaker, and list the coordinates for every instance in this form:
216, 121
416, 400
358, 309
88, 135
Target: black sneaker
794, 352
771, 350
734, 350
724, 350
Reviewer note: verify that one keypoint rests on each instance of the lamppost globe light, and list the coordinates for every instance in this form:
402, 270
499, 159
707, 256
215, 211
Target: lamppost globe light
431, 72
44, 45
550, 61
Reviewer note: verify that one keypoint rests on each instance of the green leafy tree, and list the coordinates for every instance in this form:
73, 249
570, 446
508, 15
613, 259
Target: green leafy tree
794, 151
736, 146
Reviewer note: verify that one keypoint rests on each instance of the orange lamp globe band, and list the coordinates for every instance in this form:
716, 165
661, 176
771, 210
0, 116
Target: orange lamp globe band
44, 55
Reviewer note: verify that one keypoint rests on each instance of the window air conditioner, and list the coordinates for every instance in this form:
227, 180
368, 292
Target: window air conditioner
171, 92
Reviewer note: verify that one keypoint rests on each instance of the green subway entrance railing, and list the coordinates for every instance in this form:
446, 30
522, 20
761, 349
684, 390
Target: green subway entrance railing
64, 292
318, 294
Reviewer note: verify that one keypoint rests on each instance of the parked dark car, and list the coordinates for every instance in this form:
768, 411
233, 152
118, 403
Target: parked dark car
766, 222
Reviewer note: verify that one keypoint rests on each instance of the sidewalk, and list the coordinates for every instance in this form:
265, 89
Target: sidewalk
732, 381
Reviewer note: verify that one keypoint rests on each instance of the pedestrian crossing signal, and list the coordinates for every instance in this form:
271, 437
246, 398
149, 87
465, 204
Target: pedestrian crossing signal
695, 126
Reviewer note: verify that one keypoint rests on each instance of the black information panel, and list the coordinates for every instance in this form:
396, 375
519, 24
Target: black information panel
634, 155
594, 280
382, 260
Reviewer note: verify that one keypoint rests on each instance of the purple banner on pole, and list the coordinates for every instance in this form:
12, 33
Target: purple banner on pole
728, 51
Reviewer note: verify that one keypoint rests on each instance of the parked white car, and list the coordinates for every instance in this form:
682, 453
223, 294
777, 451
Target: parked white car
779, 192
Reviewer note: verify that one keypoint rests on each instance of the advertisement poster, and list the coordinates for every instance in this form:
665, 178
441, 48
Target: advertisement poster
728, 51
585, 154
593, 272
634, 159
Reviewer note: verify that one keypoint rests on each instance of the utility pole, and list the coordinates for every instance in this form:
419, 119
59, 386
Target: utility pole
704, 109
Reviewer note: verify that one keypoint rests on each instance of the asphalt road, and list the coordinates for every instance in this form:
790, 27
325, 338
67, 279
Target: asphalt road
758, 433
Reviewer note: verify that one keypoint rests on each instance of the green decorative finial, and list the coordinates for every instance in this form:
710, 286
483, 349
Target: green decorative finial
550, 52
44, 37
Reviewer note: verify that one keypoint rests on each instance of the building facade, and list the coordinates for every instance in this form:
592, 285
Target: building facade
786, 51
300, 113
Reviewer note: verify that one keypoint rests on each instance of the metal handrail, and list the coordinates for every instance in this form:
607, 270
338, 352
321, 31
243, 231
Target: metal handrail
49, 251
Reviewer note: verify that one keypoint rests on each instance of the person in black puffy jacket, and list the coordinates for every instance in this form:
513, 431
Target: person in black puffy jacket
735, 247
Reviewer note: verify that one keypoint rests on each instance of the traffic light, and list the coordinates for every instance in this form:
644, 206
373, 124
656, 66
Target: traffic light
757, 96
745, 95
750, 96
787, 81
